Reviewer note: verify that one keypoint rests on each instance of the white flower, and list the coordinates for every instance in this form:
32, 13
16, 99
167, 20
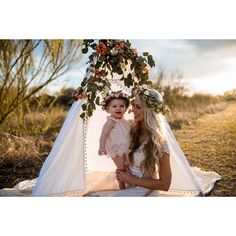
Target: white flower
114, 51
106, 89
146, 92
160, 98
95, 60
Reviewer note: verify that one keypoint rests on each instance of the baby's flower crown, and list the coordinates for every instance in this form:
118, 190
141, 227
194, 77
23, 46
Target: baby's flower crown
153, 100
114, 95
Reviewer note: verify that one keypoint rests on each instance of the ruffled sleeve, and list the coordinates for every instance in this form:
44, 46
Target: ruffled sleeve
165, 147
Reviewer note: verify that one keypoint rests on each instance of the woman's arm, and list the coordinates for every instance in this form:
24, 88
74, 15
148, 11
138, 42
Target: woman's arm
163, 183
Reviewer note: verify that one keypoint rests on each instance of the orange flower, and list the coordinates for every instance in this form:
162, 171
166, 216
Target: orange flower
101, 48
145, 70
119, 45
100, 73
134, 50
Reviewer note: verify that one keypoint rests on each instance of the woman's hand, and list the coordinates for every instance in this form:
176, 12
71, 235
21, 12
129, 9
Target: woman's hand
125, 176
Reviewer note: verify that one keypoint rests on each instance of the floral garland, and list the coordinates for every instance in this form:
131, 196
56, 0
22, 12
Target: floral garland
153, 101
116, 94
109, 58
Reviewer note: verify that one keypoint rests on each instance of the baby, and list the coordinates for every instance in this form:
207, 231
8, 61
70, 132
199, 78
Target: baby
115, 136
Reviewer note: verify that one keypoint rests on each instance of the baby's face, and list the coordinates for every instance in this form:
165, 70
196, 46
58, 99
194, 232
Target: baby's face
117, 108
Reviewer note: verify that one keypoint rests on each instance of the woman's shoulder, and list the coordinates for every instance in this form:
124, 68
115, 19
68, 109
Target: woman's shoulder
165, 147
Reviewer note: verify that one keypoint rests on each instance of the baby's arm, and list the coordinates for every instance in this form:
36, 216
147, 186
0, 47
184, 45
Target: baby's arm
108, 126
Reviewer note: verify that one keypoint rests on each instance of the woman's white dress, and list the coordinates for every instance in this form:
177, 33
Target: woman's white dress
136, 170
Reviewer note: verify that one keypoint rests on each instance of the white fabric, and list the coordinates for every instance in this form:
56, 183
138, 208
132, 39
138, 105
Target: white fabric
138, 155
64, 168
117, 142
183, 176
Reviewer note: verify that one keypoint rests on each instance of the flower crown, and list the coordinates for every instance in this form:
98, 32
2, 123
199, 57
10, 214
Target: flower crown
114, 95
154, 100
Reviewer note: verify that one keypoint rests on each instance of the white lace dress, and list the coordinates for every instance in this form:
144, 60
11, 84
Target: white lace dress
138, 172
118, 140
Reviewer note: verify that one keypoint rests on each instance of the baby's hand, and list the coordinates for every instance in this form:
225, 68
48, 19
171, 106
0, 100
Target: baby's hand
102, 152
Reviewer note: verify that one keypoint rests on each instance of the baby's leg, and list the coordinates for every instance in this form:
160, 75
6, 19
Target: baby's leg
120, 164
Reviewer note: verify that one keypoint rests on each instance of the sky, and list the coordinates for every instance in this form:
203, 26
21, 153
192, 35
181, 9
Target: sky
208, 66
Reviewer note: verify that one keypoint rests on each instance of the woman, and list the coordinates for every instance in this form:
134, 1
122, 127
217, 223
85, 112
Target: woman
149, 151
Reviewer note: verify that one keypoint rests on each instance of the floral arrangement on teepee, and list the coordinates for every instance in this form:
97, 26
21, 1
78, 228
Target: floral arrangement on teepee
111, 58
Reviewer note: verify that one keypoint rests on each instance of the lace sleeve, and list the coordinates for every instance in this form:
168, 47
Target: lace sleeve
165, 147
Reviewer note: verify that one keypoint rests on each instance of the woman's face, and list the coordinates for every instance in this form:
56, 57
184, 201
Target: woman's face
137, 110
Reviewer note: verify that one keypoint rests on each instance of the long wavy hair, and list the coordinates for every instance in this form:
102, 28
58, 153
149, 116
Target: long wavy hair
153, 148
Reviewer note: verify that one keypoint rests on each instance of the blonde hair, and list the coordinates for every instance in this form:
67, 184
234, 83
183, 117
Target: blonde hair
153, 149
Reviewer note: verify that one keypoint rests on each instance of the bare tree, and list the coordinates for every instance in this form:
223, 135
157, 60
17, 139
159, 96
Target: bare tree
27, 66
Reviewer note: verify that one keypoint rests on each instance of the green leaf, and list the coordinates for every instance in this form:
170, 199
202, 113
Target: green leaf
93, 94
151, 62
93, 46
149, 82
84, 50
91, 57
101, 58
90, 111
97, 101
119, 71
145, 54
82, 115
84, 107
93, 105
132, 66
129, 76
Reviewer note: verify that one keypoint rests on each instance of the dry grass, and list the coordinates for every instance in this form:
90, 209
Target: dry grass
24, 148
211, 145
22, 157
179, 117
207, 140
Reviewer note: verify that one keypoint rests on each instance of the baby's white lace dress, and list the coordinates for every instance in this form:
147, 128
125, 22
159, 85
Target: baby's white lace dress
118, 140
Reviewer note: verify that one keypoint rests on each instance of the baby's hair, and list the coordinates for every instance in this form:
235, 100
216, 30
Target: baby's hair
115, 95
